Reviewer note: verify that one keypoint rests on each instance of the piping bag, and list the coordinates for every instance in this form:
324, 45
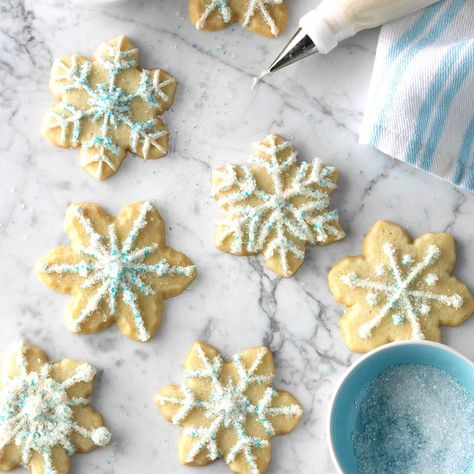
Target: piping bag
333, 21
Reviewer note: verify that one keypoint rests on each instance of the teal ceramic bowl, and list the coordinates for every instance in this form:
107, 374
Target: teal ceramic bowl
347, 396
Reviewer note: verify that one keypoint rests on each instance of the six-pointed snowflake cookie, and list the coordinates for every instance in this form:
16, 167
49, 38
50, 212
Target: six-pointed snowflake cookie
45, 415
228, 410
276, 206
265, 17
107, 106
399, 289
118, 269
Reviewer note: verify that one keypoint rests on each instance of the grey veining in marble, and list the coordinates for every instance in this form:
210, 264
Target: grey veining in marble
235, 302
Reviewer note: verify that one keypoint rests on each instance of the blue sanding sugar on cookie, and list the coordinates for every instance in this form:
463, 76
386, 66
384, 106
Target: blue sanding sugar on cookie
415, 419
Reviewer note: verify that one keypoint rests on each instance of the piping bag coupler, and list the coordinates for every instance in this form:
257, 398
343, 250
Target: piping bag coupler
333, 21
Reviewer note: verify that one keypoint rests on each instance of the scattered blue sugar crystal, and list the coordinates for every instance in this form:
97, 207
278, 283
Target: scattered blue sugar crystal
415, 419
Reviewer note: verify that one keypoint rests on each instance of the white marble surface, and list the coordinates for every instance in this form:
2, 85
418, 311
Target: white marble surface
235, 303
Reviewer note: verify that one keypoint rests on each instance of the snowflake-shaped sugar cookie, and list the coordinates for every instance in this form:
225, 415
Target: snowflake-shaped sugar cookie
45, 415
118, 269
276, 206
228, 410
107, 106
399, 289
265, 17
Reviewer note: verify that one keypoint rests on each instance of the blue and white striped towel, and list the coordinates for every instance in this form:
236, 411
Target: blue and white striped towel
421, 100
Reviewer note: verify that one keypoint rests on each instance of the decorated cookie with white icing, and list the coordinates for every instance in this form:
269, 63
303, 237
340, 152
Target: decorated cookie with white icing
276, 206
265, 17
117, 269
45, 415
228, 410
399, 289
109, 105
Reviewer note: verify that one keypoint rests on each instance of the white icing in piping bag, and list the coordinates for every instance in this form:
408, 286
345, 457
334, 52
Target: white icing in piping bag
323, 28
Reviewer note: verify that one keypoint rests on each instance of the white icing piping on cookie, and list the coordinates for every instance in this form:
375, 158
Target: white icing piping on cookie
111, 104
252, 7
260, 5
116, 271
224, 10
268, 224
36, 411
401, 298
228, 408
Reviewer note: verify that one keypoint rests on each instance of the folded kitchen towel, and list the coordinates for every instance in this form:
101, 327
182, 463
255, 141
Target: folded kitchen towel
421, 100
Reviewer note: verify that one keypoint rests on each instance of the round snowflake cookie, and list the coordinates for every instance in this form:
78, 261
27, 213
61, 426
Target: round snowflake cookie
276, 206
45, 416
117, 270
399, 289
107, 106
265, 17
228, 410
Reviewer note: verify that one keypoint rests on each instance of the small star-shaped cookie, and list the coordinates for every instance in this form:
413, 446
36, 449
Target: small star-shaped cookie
228, 410
117, 270
107, 106
265, 17
276, 206
399, 289
45, 416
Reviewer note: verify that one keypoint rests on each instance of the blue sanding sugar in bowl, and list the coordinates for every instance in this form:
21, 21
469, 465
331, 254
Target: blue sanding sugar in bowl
415, 419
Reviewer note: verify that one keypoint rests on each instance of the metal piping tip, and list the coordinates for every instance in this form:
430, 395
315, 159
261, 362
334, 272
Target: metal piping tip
299, 47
